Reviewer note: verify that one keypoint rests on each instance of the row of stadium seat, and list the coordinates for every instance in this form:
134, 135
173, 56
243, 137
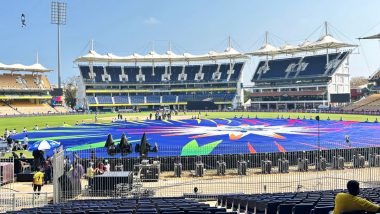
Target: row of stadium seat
25, 107
140, 99
129, 206
157, 74
370, 103
7, 110
299, 67
321, 202
25, 81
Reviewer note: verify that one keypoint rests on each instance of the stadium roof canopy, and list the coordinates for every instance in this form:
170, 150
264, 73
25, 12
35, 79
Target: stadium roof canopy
37, 67
323, 43
376, 36
169, 56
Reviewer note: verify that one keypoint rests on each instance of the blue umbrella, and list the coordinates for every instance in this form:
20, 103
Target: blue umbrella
44, 145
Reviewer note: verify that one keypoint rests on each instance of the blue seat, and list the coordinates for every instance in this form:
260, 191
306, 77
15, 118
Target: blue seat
123, 211
285, 208
225, 213
322, 210
302, 208
173, 212
199, 212
98, 212
355, 212
272, 207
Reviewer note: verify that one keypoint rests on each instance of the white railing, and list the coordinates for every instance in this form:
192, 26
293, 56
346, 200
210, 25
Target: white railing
12, 201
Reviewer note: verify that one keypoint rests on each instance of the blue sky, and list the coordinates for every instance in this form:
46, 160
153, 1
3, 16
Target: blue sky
196, 26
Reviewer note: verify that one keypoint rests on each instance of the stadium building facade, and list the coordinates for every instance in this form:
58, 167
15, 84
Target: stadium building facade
154, 81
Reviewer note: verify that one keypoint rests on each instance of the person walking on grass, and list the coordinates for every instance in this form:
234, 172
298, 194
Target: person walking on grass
38, 181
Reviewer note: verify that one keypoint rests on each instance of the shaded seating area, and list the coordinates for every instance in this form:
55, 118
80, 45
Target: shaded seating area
296, 67
169, 205
156, 74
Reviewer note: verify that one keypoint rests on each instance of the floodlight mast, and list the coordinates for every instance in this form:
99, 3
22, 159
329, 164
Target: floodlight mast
58, 17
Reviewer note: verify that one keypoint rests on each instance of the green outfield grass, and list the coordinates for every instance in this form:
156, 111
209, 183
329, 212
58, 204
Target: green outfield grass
57, 120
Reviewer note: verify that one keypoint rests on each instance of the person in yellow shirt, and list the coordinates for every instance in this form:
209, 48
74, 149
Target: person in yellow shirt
350, 202
38, 181
90, 171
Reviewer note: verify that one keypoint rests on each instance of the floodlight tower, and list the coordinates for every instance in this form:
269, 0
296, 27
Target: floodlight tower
58, 17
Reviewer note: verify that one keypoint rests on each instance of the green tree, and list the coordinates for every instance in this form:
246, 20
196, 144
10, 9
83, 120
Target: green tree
70, 92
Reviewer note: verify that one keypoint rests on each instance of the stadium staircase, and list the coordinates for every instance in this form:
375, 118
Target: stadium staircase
60, 109
31, 108
370, 103
6, 109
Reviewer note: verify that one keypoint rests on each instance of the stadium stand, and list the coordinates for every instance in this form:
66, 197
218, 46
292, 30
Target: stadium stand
132, 73
306, 82
25, 81
317, 202
104, 99
7, 110
137, 99
374, 80
208, 71
175, 73
185, 97
114, 72
121, 99
24, 91
169, 99
153, 99
370, 103
214, 79
156, 99
25, 107
85, 72
308, 66
91, 100
61, 109
131, 206
191, 72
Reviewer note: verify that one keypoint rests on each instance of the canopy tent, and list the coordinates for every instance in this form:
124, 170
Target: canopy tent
328, 42
376, 36
19, 67
229, 53
44, 145
323, 43
265, 50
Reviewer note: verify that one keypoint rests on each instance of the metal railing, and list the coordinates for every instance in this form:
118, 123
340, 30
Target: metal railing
215, 174
12, 201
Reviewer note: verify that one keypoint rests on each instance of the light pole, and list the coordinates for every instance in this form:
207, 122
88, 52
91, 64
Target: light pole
319, 156
318, 140
58, 17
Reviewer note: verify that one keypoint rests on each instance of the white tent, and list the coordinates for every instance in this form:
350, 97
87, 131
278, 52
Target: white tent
19, 67
287, 49
93, 56
265, 50
323, 43
328, 42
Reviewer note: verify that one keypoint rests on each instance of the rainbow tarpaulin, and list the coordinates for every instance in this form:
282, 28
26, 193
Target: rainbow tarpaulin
215, 136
